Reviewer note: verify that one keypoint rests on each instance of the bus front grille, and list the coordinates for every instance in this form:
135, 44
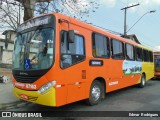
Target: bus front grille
26, 79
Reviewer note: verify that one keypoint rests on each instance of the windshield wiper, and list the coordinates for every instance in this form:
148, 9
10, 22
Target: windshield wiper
38, 29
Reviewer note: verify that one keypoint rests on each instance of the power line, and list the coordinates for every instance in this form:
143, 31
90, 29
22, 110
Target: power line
108, 30
140, 19
142, 34
125, 14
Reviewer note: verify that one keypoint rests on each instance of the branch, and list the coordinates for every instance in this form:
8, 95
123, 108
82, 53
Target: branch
8, 16
14, 28
71, 6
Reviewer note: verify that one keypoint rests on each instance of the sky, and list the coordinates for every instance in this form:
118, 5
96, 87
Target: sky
110, 16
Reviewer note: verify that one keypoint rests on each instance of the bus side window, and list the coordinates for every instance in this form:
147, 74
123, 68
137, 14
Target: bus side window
146, 55
117, 49
100, 46
66, 59
129, 52
138, 54
151, 56
71, 52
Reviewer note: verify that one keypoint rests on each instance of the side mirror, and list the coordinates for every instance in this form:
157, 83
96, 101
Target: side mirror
71, 36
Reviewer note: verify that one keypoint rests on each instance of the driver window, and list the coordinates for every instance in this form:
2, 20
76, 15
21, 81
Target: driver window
71, 53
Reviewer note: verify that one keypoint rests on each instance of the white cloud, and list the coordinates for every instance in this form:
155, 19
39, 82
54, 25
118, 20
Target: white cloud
156, 1
149, 4
133, 9
109, 3
144, 6
157, 48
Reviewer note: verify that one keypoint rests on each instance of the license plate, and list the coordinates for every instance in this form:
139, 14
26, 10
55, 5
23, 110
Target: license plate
24, 96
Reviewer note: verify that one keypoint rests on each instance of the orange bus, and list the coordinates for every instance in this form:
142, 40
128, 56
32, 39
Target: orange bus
157, 64
58, 60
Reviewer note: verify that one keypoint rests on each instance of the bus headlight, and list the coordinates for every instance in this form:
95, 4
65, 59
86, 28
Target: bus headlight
47, 86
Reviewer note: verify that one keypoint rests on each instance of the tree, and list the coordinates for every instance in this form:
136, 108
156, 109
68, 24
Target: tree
11, 10
74, 8
10, 15
29, 6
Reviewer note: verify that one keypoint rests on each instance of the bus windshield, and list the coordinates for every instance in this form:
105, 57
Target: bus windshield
33, 50
157, 62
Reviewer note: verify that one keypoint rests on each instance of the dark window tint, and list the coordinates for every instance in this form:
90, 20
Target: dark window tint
146, 56
129, 52
100, 46
117, 49
71, 53
139, 54
151, 56
157, 62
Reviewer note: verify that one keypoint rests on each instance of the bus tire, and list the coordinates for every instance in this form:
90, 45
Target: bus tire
96, 93
143, 81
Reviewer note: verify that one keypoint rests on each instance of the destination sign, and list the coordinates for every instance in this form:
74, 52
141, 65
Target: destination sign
96, 63
43, 20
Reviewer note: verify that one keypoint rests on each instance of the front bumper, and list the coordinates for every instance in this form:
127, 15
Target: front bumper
48, 98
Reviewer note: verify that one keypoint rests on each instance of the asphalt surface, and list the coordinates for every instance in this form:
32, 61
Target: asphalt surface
128, 99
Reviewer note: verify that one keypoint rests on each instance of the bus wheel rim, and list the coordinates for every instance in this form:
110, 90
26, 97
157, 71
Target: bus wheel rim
96, 93
143, 81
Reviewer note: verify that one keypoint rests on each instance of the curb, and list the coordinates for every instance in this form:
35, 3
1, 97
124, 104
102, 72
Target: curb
12, 105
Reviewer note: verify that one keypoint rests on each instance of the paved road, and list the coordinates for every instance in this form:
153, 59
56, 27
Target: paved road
6, 94
128, 99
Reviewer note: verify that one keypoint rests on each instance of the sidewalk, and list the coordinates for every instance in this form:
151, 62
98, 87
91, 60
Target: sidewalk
6, 72
6, 94
7, 99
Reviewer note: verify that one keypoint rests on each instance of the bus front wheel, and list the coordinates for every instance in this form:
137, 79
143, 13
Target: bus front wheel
96, 92
143, 81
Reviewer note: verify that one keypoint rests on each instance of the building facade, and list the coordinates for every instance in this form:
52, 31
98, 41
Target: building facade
6, 48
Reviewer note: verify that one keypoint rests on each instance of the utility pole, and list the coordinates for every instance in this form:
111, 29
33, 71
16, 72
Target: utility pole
152, 11
125, 14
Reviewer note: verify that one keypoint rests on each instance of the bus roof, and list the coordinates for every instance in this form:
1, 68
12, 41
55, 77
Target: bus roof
93, 28
156, 53
98, 30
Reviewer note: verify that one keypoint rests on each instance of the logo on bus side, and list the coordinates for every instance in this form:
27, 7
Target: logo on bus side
131, 67
113, 83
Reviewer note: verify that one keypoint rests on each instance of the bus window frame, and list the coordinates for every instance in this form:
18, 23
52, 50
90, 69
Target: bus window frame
151, 56
136, 58
123, 50
70, 54
126, 52
109, 47
147, 53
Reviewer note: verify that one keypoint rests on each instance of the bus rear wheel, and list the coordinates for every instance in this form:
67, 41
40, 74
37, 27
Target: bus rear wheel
96, 92
143, 81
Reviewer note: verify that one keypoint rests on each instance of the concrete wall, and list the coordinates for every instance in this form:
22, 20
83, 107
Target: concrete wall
7, 53
7, 57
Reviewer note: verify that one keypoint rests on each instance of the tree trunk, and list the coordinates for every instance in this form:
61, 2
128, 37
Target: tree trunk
29, 7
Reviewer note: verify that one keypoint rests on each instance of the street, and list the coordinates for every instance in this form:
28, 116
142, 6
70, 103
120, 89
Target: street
128, 99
